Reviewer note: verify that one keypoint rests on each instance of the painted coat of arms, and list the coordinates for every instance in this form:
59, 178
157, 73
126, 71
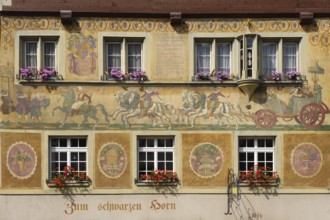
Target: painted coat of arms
112, 160
306, 160
206, 160
21, 160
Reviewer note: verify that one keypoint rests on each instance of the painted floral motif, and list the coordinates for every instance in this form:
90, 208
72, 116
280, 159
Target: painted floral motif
206, 160
112, 160
306, 160
21, 160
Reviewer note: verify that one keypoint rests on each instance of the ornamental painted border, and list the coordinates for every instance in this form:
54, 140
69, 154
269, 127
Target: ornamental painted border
104, 156
193, 159
20, 166
306, 158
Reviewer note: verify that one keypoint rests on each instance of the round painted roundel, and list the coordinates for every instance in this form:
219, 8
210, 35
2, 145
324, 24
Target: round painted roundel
206, 160
21, 160
112, 160
306, 160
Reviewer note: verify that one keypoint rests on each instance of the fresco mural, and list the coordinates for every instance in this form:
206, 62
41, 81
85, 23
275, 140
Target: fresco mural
21, 160
306, 160
112, 160
81, 54
199, 108
206, 160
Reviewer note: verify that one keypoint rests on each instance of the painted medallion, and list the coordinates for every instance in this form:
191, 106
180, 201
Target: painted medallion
206, 160
306, 160
21, 160
112, 160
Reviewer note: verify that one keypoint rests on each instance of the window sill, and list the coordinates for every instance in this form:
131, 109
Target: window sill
156, 184
37, 78
69, 184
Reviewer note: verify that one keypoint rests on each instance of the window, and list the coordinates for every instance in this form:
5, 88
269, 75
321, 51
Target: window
155, 153
67, 151
39, 53
124, 54
274, 59
256, 151
214, 54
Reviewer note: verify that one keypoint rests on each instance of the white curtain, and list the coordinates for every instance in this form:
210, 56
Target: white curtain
223, 57
290, 57
203, 51
134, 56
49, 55
114, 56
31, 55
269, 51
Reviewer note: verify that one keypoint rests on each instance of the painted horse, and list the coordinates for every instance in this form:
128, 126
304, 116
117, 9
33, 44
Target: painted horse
86, 109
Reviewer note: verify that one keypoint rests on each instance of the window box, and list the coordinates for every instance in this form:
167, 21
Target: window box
118, 75
70, 183
140, 182
38, 77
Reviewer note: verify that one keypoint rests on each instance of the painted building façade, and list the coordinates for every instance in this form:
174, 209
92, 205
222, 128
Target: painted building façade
208, 97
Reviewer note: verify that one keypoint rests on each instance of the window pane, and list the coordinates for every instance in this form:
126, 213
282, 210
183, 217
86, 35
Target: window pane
269, 51
114, 56
261, 156
31, 55
261, 164
74, 165
54, 156
169, 156
150, 156
242, 156
242, 143
74, 156
250, 142
161, 165
223, 57
269, 156
161, 142
142, 166
54, 142
142, 156
203, 51
169, 166
250, 166
63, 156
269, 143
250, 156
242, 166
261, 143
161, 156
82, 166
290, 57
74, 142
82, 156
169, 142
150, 142
49, 55
142, 142
134, 57
82, 142
63, 143
150, 166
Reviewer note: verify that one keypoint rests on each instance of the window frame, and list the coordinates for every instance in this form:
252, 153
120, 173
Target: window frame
280, 42
255, 150
68, 150
53, 35
155, 150
124, 42
40, 54
214, 53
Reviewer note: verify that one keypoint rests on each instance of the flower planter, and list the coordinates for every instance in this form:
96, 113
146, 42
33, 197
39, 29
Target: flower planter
71, 183
38, 77
139, 182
